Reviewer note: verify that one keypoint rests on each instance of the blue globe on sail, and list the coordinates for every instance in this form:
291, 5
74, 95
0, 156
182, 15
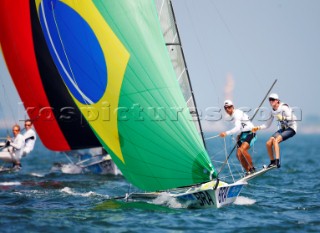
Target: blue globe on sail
75, 50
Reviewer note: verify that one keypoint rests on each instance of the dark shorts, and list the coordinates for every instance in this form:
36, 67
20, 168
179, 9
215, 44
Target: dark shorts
285, 134
248, 137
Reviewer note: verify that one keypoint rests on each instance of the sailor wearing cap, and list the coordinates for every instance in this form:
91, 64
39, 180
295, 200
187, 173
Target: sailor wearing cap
246, 137
287, 127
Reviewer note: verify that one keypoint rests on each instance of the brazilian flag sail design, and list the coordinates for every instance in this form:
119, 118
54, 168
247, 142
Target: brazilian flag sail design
112, 58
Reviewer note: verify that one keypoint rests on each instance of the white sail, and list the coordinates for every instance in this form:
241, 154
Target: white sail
173, 43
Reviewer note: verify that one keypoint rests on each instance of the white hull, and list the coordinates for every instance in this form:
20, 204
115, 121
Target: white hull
256, 174
102, 165
7, 157
201, 196
8, 169
207, 197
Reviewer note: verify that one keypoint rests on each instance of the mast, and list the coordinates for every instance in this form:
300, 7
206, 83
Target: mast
174, 45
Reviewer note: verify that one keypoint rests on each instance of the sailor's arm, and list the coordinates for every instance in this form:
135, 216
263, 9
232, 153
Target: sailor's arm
18, 144
233, 130
264, 126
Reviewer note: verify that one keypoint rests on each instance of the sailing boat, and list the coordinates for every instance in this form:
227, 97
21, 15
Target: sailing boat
57, 120
112, 59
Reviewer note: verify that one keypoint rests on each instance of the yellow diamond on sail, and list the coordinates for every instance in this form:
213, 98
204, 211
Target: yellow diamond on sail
116, 59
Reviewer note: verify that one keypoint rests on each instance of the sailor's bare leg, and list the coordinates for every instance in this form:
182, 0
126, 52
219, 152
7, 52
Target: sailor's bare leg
241, 158
244, 156
276, 146
269, 145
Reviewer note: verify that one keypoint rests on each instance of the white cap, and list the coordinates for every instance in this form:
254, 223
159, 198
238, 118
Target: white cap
274, 96
228, 103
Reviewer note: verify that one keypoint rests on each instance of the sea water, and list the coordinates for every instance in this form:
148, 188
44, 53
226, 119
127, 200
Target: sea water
41, 199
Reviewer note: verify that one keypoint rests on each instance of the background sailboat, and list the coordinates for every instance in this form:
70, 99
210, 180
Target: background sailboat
57, 120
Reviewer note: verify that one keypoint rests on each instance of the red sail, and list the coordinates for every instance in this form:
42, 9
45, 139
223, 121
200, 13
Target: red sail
57, 120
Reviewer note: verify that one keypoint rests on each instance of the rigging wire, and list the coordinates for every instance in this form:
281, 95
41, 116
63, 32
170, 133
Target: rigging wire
234, 40
212, 137
226, 154
242, 54
233, 165
11, 112
210, 71
185, 70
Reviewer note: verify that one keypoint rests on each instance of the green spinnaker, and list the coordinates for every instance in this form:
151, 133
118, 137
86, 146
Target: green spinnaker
159, 142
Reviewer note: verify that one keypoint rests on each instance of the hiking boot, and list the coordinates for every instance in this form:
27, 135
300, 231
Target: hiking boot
16, 167
252, 170
272, 163
247, 173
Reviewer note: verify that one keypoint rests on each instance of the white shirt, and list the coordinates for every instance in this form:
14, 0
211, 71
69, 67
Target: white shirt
241, 122
29, 141
285, 111
18, 145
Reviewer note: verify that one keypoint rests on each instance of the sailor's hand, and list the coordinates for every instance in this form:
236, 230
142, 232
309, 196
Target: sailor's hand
255, 129
223, 134
280, 117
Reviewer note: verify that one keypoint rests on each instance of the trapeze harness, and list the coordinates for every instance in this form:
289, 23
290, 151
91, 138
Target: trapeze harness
247, 136
284, 124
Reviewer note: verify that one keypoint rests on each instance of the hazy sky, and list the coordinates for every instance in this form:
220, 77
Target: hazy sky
252, 42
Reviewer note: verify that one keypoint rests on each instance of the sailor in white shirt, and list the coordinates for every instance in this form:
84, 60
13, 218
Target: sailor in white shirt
16, 145
287, 127
29, 137
246, 138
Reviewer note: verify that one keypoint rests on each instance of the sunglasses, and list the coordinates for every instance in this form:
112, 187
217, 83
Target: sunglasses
227, 107
27, 124
272, 99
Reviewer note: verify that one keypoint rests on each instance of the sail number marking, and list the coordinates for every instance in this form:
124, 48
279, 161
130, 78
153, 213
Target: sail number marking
204, 198
223, 194
228, 192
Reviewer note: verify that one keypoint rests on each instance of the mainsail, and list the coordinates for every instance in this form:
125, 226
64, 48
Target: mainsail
58, 121
172, 39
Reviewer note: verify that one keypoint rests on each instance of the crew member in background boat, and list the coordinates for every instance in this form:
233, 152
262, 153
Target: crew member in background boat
29, 137
15, 146
287, 127
246, 138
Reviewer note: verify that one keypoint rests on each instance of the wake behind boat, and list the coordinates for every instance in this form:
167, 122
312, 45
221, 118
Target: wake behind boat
4, 169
